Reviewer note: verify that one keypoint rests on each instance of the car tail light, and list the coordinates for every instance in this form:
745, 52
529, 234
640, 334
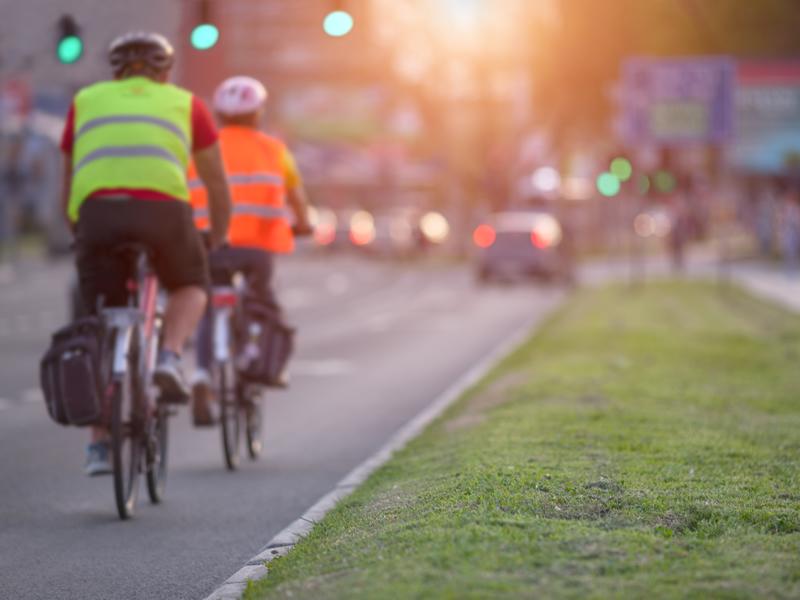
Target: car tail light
538, 240
362, 228
546, 232
483, 236
324, 234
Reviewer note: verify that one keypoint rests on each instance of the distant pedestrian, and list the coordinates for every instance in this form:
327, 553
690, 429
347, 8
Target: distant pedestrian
679, 216
790, 229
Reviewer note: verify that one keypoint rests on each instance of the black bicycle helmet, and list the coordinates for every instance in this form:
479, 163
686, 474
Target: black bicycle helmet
142, 48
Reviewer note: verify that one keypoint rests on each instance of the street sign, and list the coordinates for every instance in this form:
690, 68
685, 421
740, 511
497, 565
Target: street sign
677, 101
767, 117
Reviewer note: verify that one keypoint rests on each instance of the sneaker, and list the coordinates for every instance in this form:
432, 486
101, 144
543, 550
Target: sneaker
97, 459
281, 381
169, 379
202, 399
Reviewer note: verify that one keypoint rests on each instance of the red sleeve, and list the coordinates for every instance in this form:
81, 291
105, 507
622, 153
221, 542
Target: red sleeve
68, 135
204, 132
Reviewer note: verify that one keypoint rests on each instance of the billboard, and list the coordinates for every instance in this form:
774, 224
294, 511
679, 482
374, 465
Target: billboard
767, 117
677, 101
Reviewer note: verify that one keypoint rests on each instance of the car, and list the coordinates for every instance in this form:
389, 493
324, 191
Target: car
527, 243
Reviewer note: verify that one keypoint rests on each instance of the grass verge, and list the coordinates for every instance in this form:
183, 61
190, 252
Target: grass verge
644, 443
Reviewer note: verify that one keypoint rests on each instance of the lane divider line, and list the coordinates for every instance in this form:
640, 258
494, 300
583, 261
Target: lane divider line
285, 540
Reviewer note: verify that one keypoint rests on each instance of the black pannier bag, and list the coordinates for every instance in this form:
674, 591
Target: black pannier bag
71, 373
265, 344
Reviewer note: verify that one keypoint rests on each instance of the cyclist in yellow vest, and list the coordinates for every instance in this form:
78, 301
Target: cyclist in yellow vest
127, 145
267, 194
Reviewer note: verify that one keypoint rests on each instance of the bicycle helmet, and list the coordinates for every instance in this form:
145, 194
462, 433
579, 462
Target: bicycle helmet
239, 96
142, 49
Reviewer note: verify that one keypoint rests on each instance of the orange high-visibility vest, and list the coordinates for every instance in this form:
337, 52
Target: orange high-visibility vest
256, 174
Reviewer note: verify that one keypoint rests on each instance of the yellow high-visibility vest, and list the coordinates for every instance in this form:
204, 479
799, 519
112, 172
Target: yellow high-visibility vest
132, 133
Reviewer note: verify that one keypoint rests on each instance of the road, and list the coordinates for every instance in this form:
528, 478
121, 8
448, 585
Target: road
378, 341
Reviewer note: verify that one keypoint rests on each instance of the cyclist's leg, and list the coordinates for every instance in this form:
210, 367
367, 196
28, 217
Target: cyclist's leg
180, 264
204, 345
101, 274
258, 265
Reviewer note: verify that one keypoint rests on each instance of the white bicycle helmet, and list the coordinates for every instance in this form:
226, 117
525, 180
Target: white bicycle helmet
239, 96
151, 49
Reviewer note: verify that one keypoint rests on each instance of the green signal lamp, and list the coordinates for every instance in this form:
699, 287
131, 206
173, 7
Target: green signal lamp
338, 23
204, 37
622, 168
608, 184
69, 48
665, 182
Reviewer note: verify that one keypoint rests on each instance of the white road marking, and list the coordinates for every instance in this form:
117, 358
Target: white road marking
320, 368
32, 395
7, 274
337, 283
295, 298
381, 322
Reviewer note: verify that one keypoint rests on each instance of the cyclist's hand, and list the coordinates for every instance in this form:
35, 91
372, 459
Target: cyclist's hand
210, 241
302, 229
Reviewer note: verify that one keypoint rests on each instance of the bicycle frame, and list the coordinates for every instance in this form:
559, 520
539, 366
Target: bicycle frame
224, 301
141, 319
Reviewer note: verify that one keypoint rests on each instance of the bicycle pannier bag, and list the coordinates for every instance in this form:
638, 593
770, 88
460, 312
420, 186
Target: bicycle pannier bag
71, 373
266, 345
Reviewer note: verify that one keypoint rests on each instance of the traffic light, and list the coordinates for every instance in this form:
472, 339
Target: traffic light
69, 48
622, 168
205, 34
608, 184
338, 22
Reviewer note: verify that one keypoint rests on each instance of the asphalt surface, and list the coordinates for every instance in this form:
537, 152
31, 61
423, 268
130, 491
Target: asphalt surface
378, 341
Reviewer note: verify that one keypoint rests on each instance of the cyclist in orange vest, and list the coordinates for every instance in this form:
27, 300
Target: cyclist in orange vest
266, 190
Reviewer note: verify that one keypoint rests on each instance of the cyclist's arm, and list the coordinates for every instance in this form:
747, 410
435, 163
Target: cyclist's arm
67, 143
66, 186
208, 162
296, 195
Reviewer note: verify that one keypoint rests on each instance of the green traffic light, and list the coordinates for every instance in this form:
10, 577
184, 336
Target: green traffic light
665, 182
70, 49
622, 168
608, 184
204, 36
338, 23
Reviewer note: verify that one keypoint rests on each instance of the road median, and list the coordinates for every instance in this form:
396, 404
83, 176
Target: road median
643, 443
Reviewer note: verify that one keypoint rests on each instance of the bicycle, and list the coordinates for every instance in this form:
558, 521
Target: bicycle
239, 400
138, 424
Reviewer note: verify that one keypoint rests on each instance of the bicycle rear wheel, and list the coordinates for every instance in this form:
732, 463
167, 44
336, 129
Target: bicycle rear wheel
157, 454
229, 415
126, 443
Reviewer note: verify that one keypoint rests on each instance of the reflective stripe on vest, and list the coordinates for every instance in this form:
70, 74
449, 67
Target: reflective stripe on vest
113, 119
244, 179
126, 152
254, 210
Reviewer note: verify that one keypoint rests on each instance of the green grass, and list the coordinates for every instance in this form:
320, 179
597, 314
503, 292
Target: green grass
644, 444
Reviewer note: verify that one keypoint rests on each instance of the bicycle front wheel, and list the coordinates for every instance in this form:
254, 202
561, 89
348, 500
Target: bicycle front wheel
229, 415
126, 444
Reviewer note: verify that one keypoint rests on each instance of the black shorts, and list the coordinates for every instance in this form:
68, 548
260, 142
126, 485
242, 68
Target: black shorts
166, 227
